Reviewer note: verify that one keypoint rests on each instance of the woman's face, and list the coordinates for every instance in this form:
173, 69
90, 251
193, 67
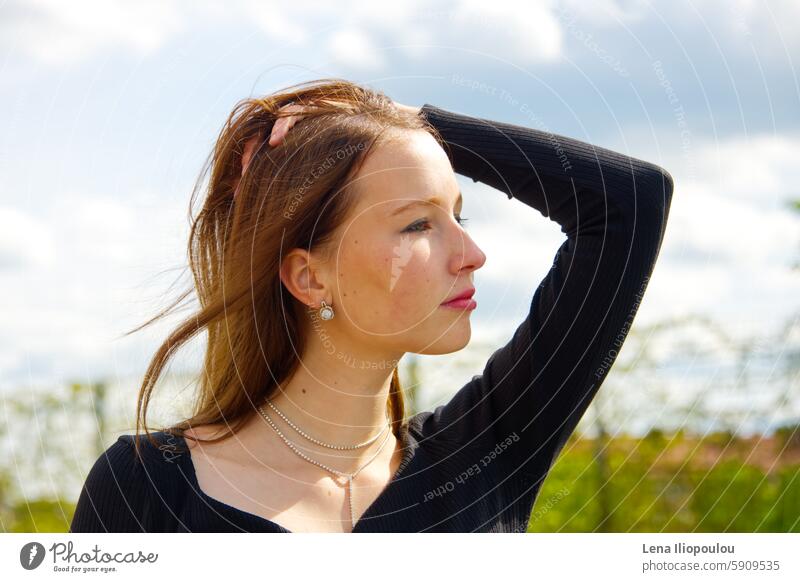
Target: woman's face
399, 256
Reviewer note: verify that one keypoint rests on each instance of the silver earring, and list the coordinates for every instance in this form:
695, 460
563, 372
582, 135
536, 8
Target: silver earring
326, 311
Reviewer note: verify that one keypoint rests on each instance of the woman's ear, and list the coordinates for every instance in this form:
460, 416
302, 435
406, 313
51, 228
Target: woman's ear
303, 274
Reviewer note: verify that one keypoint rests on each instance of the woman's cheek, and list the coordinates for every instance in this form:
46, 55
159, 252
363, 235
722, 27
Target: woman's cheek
364, 277
356, 283
413, 289
387, 281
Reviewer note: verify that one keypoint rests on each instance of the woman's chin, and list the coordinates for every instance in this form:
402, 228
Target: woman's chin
451, 339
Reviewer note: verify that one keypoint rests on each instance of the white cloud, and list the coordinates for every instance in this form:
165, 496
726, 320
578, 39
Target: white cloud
280, 21
24, 241
517, 30
57, 33
605, 12
353, 47
758, 168
708, 225
508, 29
731, 240
769, 25
61, 315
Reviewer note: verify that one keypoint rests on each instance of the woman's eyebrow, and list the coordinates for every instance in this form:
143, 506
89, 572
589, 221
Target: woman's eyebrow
433, 200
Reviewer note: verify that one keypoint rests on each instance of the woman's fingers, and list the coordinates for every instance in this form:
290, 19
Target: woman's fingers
283, 124
279, 130
407, 108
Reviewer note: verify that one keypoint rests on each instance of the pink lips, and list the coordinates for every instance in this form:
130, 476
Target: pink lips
462, 300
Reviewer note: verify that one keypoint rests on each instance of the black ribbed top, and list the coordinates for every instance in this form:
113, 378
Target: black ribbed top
475, 464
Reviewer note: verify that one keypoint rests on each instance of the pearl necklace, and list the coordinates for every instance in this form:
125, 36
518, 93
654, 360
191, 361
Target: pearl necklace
349, 476
330, 446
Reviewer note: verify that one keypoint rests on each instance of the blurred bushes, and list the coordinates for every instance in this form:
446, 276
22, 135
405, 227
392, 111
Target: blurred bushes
674, 483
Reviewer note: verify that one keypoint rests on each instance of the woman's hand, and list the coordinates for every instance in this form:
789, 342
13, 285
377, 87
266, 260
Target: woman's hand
283, 124
407, 108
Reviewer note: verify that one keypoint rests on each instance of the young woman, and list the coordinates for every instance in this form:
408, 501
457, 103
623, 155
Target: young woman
331, 243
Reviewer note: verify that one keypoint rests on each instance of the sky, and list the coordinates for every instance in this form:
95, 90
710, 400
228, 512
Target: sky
109, 109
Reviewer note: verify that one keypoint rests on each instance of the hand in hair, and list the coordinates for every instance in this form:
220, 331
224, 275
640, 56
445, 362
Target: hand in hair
407, 108
283, 124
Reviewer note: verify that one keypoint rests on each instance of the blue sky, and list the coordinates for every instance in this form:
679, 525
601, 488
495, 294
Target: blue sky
109, 109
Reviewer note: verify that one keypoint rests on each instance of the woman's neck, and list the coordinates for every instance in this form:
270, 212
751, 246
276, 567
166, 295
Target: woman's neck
335, 399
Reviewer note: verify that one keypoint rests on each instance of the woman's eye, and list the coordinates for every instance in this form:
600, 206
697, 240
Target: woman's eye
418, 226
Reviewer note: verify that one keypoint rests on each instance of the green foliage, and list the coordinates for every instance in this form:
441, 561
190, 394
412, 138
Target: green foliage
741, 498
45, 411
40, 516
789, 436
663, 483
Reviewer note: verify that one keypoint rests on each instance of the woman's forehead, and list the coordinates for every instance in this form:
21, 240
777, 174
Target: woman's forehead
401, 171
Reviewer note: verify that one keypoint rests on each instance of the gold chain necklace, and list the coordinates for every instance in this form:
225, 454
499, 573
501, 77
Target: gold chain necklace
349, 476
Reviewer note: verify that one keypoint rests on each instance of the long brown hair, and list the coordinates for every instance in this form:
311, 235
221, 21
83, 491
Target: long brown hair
294, 195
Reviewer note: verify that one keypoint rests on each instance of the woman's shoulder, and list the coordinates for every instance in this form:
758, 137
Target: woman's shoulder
123, 484
154, 453
159, 450
162, 460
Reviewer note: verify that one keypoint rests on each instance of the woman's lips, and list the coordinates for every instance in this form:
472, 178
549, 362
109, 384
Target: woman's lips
465, 303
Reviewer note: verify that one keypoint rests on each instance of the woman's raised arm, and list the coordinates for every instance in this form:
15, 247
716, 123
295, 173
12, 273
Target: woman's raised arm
612, 209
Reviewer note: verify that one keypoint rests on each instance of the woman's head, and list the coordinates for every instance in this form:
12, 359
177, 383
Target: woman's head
320, 217
397, 254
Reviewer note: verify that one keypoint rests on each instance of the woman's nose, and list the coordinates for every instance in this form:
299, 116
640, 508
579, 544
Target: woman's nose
468, 254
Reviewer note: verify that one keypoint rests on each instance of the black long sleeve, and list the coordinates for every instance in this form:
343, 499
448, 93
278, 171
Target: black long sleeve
476, 463
115, 495
613, 209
